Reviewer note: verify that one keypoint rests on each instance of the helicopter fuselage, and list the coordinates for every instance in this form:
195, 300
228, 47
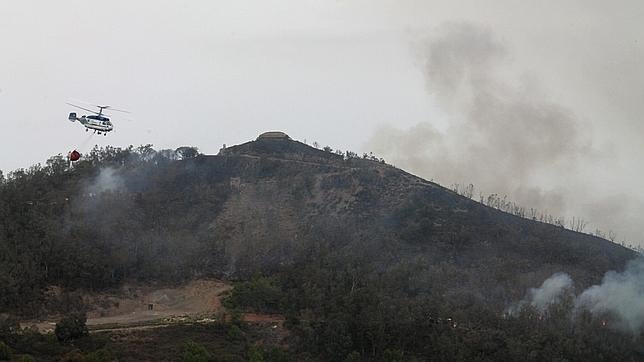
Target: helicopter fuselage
97, 123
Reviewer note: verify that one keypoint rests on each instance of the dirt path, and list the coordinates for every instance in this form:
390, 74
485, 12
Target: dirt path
129, 328
134, 306
263, 318
199, 297
140, 307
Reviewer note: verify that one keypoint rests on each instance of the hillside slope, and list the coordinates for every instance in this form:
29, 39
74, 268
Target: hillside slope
141, 214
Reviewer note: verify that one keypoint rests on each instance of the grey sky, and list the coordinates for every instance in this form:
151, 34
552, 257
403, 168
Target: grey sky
205, 73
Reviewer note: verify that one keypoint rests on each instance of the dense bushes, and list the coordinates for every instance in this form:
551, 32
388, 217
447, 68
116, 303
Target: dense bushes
98, 223
200, 342
194, 352
342, 309
5, 352
71, 327
259, 294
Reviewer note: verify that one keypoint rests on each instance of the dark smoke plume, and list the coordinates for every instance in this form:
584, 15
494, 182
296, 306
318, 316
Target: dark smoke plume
504, 135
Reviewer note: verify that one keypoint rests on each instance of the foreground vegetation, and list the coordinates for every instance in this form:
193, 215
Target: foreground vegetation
339, 309
219, 341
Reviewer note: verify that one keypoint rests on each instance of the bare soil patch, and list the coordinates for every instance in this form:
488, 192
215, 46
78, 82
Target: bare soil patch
145, 303
137, 305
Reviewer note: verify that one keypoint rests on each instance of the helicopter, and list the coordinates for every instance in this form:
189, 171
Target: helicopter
97, 121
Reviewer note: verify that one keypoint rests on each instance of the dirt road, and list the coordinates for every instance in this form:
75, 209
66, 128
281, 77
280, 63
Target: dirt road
137, 305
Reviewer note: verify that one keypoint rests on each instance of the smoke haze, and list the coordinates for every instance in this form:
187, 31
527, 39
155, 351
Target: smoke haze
209, 73
548, 293
106, 180
620, 295
504, 134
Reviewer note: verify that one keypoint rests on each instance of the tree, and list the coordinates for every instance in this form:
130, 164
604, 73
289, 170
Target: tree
5, 352
57, 164
577, 224
187, 152
260, 294
194, 352
350, 155
71, 327
612, 236
336, 340
234, 333
167, 154
9, 328
146, 152
468, 191
353, 357
255, 355
393, 356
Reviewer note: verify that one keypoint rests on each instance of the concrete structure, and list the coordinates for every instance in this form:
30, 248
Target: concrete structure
273, 135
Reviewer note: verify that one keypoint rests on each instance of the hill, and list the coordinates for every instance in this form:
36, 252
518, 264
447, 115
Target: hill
348, 242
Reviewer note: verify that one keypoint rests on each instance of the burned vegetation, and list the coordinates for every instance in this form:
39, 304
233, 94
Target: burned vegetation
365, 261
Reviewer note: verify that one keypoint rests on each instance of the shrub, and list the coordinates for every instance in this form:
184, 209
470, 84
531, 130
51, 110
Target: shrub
260, 294
235, 333
273, 354
5, 352
101, 355
255, 355
71, 327
25, 358
9, 328
353, 357
393, 356
194, 352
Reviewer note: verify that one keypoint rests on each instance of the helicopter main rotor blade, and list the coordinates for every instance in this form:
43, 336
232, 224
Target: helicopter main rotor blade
85, 109
118, 110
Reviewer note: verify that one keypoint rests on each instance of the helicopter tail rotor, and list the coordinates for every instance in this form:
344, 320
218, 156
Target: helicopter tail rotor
72, 117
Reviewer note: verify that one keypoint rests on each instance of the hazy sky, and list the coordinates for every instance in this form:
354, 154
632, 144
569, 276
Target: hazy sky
347, 74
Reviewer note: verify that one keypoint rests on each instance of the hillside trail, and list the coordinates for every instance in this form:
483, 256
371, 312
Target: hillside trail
140, 304
137, 304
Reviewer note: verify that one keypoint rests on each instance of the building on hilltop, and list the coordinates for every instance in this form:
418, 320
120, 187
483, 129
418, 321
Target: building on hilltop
267, 142
273, 135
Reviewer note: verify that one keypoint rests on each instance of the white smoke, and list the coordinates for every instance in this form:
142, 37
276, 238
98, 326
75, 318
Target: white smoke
106, 180
550, 292
620, 296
